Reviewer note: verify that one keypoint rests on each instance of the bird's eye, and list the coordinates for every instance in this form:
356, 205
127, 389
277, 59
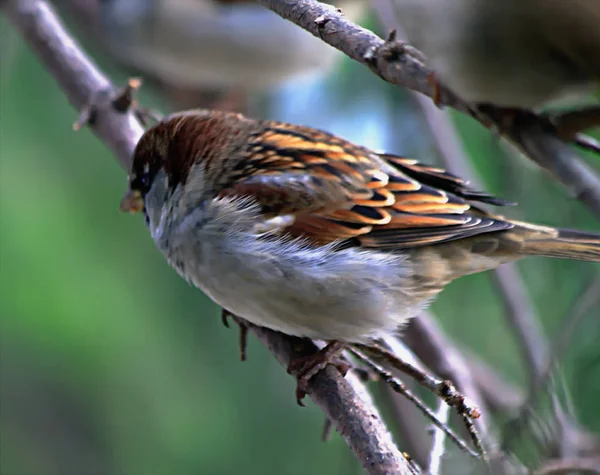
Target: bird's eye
142, 178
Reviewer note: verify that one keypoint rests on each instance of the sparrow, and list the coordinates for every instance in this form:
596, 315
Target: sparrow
303, 232
511, 53
213, 44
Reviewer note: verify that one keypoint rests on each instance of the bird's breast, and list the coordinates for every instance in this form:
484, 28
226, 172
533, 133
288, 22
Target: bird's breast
289, 286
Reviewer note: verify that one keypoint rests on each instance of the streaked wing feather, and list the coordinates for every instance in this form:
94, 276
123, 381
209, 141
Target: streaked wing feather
339, 191
439, 178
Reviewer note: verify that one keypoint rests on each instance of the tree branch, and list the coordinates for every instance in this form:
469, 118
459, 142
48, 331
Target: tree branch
358, 422
400, 64
78, 77
393, 61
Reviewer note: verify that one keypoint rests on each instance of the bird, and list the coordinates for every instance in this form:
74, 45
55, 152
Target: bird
214, 44
306, 233
524, 54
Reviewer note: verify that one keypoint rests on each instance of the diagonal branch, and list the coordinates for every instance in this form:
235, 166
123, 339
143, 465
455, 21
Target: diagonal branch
79, 78
358, 422
400, 64
393, 61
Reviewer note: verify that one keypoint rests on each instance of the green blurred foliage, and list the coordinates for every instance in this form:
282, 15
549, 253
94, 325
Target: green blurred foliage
112, 364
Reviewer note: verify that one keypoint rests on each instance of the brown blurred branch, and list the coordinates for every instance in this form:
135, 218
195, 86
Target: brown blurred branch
400, 64
84, 85
581, 466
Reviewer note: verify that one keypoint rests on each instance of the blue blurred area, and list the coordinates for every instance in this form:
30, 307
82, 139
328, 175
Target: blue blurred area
111, 364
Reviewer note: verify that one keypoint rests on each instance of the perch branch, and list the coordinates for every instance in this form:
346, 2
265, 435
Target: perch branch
359, 423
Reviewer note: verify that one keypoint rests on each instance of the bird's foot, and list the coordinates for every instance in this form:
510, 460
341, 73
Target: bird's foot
243, 338
306, 367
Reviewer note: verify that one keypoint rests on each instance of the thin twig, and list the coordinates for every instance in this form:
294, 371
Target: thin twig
443, 389
402, 389
405, 417
588, 143
357, 422
439, 438
435, 349
425, 335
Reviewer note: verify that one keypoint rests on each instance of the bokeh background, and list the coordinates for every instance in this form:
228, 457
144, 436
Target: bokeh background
112, 364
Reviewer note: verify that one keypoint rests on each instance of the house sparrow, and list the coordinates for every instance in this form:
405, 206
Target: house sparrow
510, 53
214, 44
303, 232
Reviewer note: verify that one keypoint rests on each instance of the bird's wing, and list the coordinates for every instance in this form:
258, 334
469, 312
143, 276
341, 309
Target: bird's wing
336, 190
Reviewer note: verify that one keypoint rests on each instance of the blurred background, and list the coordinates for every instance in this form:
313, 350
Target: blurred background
111, 364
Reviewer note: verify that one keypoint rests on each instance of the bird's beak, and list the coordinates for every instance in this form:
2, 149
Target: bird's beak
132, 202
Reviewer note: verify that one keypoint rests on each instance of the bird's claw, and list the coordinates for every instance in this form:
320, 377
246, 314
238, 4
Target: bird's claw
306, 367
243, 338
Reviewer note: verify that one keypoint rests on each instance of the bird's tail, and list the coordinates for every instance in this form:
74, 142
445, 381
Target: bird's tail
561, 243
